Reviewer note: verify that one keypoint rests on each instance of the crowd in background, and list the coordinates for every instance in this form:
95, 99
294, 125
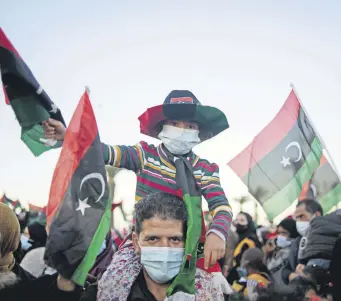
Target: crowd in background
298, 259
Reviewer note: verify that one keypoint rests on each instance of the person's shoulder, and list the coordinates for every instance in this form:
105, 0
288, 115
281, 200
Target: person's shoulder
148, 148
207, 165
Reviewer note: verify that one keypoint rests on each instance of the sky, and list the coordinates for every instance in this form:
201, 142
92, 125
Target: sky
238, 56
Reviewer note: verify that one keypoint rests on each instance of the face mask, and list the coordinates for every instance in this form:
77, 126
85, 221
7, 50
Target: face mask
242, 272
25, 244
179, 141
240, 229
302, 227
162, 264
283, 242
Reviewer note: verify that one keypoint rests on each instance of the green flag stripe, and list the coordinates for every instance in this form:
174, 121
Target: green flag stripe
89, 259
286, 196
331, 199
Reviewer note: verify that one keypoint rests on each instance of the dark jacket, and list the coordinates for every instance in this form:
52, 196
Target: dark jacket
292, 261
41, 289
104, 259
30, 288
320, 238
335, 270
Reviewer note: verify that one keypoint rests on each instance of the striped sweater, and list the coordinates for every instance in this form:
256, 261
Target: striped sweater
155, 172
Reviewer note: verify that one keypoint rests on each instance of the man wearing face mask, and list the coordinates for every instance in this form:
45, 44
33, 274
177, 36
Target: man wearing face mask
181, 123
305, 211
159, 243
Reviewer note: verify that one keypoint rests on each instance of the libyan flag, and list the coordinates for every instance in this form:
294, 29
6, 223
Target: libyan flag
27, 98
78, 211
324, 186
280, 159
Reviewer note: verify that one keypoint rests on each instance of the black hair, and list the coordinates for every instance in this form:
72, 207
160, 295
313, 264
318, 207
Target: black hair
311, 205
162, 205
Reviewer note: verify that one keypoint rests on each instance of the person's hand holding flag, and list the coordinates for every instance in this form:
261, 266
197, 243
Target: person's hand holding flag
54, 129
29, 101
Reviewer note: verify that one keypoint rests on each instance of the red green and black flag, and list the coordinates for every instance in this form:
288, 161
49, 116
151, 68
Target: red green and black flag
37, 214
79, 210
324, 186
280, 159
16, 205
27, 98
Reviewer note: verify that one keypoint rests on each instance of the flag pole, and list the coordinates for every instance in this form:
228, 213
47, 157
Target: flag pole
315, 130
87, 90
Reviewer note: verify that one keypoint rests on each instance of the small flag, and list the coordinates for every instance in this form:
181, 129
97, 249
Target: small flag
35, 208
27, 98
78, 211
324, 186
280, 159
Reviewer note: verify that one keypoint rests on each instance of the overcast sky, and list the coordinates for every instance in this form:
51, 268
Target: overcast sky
240, 57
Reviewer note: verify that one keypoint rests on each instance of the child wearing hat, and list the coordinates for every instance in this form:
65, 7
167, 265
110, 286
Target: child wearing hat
181, 123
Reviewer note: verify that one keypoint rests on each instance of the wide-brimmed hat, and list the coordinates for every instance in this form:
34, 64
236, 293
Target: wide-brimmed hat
183, 105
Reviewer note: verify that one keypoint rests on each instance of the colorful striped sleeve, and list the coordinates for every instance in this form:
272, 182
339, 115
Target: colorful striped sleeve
121, 156
218, 204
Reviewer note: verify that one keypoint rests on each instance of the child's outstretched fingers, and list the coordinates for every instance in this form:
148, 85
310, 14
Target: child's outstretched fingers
214, 249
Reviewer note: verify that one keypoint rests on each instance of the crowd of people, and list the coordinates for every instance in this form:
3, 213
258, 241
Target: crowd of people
170, 254
261, 263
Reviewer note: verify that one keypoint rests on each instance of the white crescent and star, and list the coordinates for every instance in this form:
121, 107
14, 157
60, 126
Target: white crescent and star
83, 204
286, 160
54, 109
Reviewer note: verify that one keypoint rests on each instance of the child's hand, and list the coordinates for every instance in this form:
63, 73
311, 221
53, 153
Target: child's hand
54, 129
214, 249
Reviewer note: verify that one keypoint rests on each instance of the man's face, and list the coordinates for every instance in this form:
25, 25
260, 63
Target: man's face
302, 215
183, 124
158, 232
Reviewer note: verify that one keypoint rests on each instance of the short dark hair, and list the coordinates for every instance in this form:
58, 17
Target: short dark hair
162, 205
311, 205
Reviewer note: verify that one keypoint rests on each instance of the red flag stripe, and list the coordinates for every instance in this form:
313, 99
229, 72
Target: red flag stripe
268, 138
6, 43
35, 208
80, 134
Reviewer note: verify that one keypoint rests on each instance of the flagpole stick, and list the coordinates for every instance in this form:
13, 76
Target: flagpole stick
87, 90
316, 132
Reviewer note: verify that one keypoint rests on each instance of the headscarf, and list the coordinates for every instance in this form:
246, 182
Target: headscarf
290, 225
9, 237
251, 229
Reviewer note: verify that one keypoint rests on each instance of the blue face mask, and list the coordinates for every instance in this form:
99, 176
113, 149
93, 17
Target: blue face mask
162, 264
283, 242
242, 272
25, 244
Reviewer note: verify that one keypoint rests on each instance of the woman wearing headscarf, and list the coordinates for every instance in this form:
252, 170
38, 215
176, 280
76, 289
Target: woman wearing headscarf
12, 286
247, 239
277, 253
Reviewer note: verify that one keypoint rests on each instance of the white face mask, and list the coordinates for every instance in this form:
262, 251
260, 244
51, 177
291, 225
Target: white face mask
179, 141
283, 242
302, 227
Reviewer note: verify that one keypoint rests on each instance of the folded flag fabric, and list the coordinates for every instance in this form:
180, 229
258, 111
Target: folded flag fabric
27, 98
79, 210
324, 186
280, 159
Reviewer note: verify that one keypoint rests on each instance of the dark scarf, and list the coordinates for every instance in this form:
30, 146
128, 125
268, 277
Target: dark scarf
191, 195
